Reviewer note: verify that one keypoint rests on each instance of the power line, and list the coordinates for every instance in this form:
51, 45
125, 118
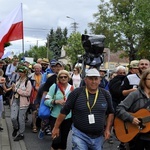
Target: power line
36, 28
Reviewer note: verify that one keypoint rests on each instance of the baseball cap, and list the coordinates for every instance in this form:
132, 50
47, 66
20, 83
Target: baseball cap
53, 62
92, 72
22, 69
102, 69
60, 63
134, 64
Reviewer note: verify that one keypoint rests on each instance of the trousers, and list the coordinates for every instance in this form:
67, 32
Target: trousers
81, 141
18, 116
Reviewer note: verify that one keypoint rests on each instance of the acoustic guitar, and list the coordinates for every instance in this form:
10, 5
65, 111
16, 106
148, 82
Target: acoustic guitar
126, 131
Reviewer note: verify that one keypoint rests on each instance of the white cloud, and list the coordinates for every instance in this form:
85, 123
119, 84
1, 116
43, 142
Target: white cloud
41, 15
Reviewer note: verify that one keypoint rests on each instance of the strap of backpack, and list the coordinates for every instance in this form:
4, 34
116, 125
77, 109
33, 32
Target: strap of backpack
56, 88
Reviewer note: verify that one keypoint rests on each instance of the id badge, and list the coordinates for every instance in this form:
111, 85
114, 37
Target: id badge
91, 118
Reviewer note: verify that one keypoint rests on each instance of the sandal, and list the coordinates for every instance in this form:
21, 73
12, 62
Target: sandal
34, 130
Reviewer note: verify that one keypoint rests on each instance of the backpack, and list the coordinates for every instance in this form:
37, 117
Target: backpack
28, 97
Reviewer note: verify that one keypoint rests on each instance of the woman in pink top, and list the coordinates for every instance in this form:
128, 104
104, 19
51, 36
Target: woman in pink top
20, 102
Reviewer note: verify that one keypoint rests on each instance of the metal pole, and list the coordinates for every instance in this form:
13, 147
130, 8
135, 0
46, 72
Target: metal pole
47, 47
23, 46
108, 58
74, 24
22, 33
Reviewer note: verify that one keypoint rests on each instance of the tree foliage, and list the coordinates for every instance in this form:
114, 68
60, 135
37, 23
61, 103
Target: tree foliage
55, 41
74, 47
125, 24
7, 44
36, 52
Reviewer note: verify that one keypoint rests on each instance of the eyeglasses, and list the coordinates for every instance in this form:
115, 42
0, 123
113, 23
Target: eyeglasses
61, 77
44, 64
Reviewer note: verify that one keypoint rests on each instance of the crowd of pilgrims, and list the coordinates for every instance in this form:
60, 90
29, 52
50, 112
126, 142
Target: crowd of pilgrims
42, 77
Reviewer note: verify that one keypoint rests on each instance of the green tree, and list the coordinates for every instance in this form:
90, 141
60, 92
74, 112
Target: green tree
74, 47
55, 41
7, 44
36, 52
125, 25
143, 9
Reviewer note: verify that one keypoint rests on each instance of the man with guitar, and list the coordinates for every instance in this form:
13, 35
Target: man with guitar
133, 120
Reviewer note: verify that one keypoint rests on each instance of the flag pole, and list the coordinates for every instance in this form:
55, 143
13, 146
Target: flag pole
22, 32
23, 46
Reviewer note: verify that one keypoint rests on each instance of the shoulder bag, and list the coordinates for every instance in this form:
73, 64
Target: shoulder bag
44, 111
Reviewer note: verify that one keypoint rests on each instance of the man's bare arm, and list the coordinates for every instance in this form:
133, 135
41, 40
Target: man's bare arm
109, 124
59, 120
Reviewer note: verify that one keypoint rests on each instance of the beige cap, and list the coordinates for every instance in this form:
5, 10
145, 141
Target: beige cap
134, 64
103, 69
45, 61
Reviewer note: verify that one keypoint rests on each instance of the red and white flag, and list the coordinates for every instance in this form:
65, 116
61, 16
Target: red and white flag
11, 28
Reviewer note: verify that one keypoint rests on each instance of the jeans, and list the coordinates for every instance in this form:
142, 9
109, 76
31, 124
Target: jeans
81, 141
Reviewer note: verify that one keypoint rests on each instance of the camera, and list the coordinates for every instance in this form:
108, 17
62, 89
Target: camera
94, 47
93, 44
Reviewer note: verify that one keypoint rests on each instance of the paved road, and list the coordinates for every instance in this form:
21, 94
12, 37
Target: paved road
33, 143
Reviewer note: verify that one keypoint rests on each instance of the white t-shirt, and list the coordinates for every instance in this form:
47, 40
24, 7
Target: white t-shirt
76, 80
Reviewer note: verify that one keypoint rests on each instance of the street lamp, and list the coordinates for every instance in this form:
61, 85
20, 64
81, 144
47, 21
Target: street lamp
74, 23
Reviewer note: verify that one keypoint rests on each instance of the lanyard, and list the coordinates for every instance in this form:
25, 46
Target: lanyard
95, 99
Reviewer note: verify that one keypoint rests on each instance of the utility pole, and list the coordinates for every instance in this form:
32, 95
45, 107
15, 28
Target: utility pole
47, 47
74, 24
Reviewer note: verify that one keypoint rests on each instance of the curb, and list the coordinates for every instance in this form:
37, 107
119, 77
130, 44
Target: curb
20, 145
4, 138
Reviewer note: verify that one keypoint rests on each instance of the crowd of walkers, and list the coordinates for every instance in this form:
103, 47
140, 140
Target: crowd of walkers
87, 109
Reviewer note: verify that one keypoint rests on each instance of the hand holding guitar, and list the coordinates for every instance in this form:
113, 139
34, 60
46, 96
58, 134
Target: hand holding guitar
136, 121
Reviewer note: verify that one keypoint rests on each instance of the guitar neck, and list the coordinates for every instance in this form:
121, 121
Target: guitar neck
145, 119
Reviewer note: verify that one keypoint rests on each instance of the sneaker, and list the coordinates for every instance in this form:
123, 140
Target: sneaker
14, 132
48, 132
121, 146
110, 141
41, 134
1, 129
19, 137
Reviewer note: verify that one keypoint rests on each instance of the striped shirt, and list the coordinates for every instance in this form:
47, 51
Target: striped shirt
77, 102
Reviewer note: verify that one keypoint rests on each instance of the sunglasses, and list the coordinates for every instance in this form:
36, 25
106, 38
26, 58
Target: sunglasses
44, 64
61, 77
